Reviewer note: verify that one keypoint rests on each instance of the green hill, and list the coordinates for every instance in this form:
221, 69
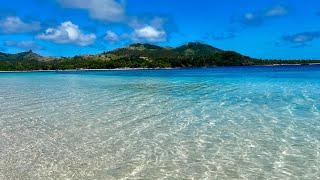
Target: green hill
158, 52
143, 50
197, 49
24, 56
193, 54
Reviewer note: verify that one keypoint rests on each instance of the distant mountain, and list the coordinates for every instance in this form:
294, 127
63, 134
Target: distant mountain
153, 51
141, 47
188, 55
24, 56
143, 50
197, 49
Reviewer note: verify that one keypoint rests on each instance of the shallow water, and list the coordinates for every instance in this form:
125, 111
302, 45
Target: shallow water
215, 123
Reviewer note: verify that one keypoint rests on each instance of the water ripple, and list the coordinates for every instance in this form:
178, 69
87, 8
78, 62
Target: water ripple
179, 124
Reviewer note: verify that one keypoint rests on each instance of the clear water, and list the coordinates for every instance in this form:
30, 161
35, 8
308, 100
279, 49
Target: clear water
218, 123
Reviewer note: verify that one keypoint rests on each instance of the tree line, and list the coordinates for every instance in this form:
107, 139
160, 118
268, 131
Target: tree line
228, 58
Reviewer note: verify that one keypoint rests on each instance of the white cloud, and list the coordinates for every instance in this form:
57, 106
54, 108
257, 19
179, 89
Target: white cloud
25, 45
114, 11
149, 34
67, 33
14, 24
142, 32
110, 10
259, 17
276, 11
302, 37
111, 37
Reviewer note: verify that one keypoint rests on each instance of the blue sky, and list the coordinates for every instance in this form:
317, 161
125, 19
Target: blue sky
275, 29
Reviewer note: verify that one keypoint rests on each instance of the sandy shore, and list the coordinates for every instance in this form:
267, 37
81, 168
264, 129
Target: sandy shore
128, 69
116, 69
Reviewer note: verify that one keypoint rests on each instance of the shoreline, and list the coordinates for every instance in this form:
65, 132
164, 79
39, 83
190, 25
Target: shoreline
116, 69
130, 69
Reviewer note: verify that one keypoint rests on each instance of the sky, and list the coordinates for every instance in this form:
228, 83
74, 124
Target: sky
272, 29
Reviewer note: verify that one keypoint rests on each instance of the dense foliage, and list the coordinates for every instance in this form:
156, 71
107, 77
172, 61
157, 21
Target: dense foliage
24, 56
139, 56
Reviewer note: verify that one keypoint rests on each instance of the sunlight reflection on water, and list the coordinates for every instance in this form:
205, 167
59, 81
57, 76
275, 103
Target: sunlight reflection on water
219, 123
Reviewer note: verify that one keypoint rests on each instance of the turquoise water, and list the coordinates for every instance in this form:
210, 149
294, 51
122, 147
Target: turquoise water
216, 123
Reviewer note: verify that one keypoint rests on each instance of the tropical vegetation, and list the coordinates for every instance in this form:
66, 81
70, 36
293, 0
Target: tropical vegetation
139, 56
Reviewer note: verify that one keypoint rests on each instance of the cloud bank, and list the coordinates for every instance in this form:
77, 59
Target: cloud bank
111, 37
149, 33
114, 11
301, 38
106, 10
259, 17
67, 33
13, 24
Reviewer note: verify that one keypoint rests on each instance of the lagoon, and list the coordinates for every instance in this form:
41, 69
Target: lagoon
259, 122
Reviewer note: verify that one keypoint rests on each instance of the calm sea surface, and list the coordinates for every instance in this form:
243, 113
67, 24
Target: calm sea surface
215, 123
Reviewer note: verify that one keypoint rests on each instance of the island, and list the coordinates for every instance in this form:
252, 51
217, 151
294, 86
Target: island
193, 54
